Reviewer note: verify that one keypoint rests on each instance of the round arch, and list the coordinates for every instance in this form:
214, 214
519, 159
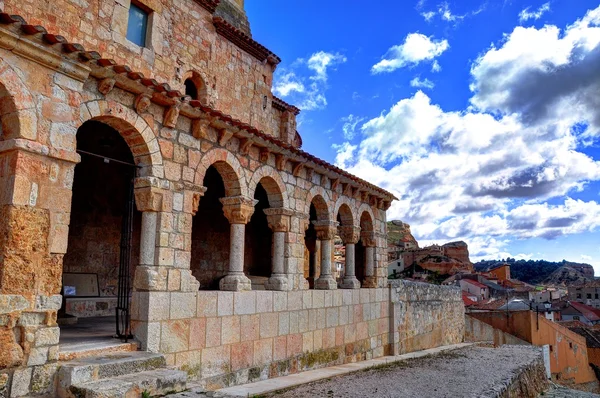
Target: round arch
138, 135
367, 221
195, 81
320, 199
344, 207
15, 114
228, 167
273, 183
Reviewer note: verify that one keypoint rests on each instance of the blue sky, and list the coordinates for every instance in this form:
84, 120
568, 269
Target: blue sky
483, 117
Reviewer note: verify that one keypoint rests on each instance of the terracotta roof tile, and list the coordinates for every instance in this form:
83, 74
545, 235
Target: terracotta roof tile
245, 42
209, 5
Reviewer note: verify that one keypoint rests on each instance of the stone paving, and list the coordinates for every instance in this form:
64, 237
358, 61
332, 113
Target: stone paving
562, 392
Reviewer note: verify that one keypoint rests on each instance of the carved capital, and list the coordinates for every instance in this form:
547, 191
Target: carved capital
278, 219
238, 209
368, 238
194, 197
171, 116
142, 103
106, 85
349, 233
326, 230
303, 221
148, 199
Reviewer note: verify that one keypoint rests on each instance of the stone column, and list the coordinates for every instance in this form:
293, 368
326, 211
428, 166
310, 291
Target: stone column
238, 210
279, 222
350, 236
368, 240
326, 231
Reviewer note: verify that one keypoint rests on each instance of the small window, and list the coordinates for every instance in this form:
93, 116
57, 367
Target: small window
137, 26
575, 317
596, 296
589, 295
570, 345
551, 348
578, 295
191, 89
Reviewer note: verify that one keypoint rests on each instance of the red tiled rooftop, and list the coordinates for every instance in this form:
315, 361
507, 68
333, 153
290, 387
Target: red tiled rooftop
590, 313
475, 283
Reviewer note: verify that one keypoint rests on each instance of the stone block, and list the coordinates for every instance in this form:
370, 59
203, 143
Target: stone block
307, 299
328, 299
318, 298
294, 322
47, 336
230, 329
280, 348
225, 303
329, 338
332, 317
48, 303
343, 316
197, 333
294, 344
183, 305
244, 303
175, 336
269, 325
21, 381
280, 301
250, 327
174, 280
242, 355
207, 304
11, 303
148, 333
43, 379
152, 305
318, 339
263, 352
307, 342
339, 336
264, 301
303, 321
284, 323
213, 332
216, 361
31, 319
295, 300
37, 356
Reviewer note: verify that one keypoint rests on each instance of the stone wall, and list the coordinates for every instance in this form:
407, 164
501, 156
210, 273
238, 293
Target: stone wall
227, 338
476, 330
425, 316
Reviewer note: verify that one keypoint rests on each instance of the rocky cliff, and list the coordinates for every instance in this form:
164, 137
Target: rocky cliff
399, 231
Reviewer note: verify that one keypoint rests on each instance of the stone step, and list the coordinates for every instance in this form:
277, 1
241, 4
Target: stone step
84, 370
153, 382
68, 352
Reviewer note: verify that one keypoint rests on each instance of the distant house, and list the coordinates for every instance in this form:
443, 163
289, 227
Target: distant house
501, 272
580, 312
588, 294
469, 299
475, 288
592, 338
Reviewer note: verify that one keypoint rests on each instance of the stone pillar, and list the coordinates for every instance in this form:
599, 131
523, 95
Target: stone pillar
279, 222
350, 236
326, 231
238, 210
368, 239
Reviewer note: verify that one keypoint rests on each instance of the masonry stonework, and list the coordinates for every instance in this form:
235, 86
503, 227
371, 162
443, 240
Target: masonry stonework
212, 170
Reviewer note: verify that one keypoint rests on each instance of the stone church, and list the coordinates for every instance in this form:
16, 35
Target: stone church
153, 189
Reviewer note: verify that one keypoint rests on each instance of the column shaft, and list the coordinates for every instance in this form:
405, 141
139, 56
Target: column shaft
148, 238
326, 280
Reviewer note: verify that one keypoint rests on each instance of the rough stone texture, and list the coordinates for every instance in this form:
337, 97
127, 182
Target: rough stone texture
510, 371
425, 316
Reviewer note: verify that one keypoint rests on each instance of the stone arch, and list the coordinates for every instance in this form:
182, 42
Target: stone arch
320, 199
228, 167
273, 183
344, 207
367, 220
138, 135
199, 84
18, 116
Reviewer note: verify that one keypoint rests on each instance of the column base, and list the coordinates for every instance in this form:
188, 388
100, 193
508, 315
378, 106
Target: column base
326, 283
370, 282
350, 282
235, 283
277, 282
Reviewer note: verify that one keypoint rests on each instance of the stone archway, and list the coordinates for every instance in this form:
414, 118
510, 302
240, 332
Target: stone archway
211, 244
365, 249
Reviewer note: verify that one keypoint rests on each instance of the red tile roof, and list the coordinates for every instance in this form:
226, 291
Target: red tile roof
468, 302
209, 5
103, 66
590, 313
475, 283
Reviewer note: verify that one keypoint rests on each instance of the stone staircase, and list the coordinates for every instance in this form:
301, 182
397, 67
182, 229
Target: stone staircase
117, 375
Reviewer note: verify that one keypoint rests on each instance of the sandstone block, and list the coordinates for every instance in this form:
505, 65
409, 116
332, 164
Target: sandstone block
183, 305
21, 381
230, 329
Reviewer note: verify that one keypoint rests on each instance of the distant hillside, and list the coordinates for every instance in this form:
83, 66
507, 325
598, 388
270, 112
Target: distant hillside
397, 231
566, 276
535, 271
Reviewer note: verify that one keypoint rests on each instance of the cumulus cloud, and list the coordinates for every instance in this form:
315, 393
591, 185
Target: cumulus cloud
526, 15
416, 48
422, 83
445, 14
485, 174
305, 82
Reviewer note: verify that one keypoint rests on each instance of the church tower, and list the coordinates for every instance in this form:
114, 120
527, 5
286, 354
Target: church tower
233, 12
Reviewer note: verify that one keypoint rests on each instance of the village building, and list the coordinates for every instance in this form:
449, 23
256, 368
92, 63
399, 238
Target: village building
147, 170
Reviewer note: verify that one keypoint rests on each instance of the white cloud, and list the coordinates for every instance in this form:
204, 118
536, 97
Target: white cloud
585, 257
436, 67
425, 83
305, 82
484, 174
416, 48
526, 15
288, 84
445, 14
428, 15
349, 126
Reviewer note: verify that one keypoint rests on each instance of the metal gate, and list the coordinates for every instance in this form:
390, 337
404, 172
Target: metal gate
122, 315
124, 288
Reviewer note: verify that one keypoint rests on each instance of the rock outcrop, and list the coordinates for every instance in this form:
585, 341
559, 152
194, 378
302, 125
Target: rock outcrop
567, 276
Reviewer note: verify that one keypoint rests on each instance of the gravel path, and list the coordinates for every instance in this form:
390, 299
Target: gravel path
468, 372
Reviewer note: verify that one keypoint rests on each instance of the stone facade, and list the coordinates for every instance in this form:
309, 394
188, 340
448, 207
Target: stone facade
68, 73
